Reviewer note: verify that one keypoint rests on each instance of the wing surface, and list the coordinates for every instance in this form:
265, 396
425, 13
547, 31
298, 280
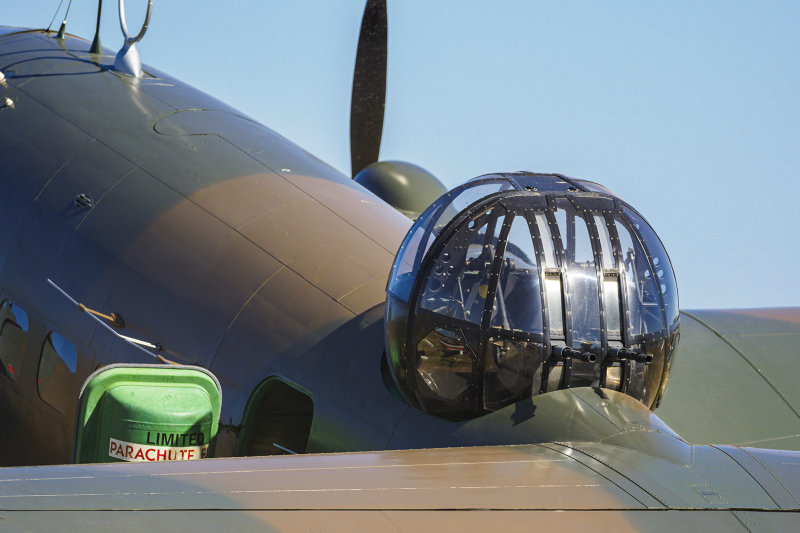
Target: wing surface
734, 378
515, 488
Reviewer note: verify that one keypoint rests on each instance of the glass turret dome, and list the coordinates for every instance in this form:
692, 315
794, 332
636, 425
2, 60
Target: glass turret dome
514, 285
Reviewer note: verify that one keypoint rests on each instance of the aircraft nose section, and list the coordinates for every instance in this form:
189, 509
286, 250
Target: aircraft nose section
516, 285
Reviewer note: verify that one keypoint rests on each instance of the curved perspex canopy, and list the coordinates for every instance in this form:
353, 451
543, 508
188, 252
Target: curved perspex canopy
519, 284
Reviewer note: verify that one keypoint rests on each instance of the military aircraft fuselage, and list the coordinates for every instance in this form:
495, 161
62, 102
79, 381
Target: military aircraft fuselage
143, 221
222, 243
227, 247
211, 236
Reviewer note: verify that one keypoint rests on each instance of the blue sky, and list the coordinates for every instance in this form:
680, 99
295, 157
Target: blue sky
688, 110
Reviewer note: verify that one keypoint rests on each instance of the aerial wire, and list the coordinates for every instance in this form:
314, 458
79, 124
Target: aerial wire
55, 14
96, 316
63, 27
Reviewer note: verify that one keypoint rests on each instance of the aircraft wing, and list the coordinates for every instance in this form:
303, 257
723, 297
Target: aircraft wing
734, 378
650, 481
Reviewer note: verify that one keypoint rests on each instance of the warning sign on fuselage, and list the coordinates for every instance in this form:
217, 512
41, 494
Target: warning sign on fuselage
133, 452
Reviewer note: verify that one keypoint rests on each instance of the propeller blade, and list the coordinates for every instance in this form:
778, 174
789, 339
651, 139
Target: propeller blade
369, 87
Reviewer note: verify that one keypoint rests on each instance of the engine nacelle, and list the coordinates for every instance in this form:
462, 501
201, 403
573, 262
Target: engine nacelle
514, 285
407, 187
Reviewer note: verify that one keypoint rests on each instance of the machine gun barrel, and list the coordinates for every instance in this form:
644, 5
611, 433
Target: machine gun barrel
623, 354
564, 353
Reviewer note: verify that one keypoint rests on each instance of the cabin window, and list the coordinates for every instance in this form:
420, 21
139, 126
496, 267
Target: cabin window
14, 326
57, 381
277, 420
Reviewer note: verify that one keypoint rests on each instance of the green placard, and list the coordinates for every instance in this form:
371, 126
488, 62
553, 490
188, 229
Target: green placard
145, 413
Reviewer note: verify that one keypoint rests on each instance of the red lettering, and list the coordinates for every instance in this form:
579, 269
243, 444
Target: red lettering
115, 448
138, 452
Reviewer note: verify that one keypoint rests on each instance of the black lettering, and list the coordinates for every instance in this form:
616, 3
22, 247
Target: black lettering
176, 439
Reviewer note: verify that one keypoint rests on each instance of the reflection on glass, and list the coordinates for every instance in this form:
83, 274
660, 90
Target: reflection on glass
564, 229
518, 303
606, 250
583, 374
513, 370
583, 243
553, 295
20, 317
468, 336
465, 198
644, 308
57, 366
661, 265
555, 313
611, 307
427, 228
554, 377
396, 329
408, 262
446, 366
541, 182
458, 285
645, 379
584, 296
547, 240
613, 377
594, 187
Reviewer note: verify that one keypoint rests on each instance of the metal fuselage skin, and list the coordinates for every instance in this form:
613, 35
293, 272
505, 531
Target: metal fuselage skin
213, 237
222, 242
210, 234
235, 250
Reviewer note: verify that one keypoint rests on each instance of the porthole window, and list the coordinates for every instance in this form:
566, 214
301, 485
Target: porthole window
14, 327
57, 379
